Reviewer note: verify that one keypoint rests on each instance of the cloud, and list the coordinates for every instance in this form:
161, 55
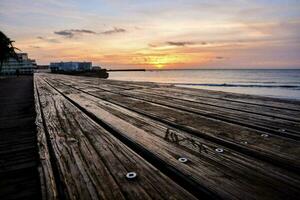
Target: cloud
73, 32
50, 40
181, 44
172, 43
66, 33
113, 31
219, 57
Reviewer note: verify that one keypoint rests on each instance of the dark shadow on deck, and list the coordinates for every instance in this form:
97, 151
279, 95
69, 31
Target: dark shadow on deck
19, 178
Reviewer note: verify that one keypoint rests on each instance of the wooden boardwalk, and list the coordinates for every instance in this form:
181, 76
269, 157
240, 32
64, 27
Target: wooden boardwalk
181, 143
19, 177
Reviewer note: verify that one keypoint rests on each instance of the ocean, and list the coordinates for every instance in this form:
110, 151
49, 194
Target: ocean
278, 83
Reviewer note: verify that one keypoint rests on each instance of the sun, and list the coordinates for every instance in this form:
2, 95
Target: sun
160, 61
159, 66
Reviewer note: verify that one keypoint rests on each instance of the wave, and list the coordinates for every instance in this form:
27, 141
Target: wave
240, 85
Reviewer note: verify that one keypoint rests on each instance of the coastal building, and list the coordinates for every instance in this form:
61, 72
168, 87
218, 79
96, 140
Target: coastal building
42, 68
70, 66
38, 67
23, 65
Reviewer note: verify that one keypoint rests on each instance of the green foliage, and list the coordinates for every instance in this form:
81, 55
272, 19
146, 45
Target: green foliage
7, 50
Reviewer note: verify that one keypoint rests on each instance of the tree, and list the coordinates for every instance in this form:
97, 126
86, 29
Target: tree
7, 50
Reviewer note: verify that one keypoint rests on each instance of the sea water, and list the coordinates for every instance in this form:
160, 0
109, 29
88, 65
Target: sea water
278, 83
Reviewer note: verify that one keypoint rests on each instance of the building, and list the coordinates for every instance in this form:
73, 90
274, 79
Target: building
23, 65
42, 67
70, 66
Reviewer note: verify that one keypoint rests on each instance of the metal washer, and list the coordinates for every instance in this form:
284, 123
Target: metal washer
219, 150
182, 160
131, 175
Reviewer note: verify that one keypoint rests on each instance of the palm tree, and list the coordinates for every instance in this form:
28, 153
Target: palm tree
7, 50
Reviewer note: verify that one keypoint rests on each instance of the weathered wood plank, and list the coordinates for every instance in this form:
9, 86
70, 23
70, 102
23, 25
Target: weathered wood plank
212, 96
259, 112
92, 163
238, 98
278, 149
47, 179
205, 170
251, 120
284, 128
201, 97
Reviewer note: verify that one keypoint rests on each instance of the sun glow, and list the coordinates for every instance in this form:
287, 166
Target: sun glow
159, 66
161, 61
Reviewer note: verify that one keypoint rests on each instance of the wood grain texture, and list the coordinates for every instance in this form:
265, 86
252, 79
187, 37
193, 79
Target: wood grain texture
142, 121
92, 164
280, 149
47, 179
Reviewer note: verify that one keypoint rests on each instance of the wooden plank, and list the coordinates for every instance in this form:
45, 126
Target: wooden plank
238, 98
251, 120
287, 112
280, 150
92, 163
200, 93
206, 170
180, 93
47, 179
282, 127
110, 84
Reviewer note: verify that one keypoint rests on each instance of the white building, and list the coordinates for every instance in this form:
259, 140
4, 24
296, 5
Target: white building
70, 66
24, 65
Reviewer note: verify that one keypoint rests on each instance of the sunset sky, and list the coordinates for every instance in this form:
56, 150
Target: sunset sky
157, 33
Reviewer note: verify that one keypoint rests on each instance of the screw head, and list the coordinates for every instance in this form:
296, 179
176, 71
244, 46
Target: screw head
264, 135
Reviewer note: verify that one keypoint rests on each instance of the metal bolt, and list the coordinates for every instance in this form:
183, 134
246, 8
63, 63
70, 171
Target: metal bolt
182, 160
264, 135
131, 175
219, 150
244, 142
